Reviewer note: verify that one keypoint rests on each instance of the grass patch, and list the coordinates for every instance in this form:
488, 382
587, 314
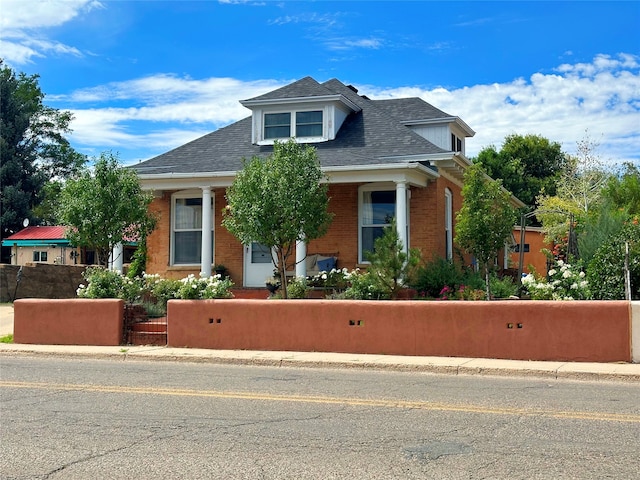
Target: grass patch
7, 338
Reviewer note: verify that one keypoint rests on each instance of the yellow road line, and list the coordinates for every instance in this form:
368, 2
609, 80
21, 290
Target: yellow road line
400, 404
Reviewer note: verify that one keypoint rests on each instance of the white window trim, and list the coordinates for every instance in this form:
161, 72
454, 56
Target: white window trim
270, 141
189, 194
374, 187
448, 223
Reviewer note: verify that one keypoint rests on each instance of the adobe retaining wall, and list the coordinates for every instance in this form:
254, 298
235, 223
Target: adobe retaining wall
76, 321
587, 331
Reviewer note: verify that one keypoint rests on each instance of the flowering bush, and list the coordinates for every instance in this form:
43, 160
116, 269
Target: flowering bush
337, 279
563, 282
198, 288
102, 283
363, 286
462, 293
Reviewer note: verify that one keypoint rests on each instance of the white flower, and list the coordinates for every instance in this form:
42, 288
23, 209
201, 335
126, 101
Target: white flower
324, 276
581, 274
574, 286
552, 272
560, 263
566, 274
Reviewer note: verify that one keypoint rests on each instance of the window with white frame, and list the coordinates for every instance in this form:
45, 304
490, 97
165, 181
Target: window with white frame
186, 229
39, 256
448, 223
377, 207
306, 124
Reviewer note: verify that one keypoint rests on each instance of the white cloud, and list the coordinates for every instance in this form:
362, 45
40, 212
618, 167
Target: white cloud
160, 112
602, 97
24, 23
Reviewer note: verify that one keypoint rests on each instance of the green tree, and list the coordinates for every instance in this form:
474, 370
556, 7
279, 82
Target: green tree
391, 267
528, 165
278, 201
623, 189
106, 206
606, 271
485, 220
579, 195
33, 148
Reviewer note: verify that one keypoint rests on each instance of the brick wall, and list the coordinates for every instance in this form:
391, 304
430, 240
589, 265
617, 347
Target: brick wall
426, 232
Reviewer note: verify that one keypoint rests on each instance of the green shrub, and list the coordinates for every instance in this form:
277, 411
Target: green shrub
101, 283
194, 288
503, 287
365, 287
391, 267
439, 273
298, 288
606, 269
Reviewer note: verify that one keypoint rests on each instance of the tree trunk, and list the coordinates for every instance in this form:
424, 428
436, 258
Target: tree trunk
283, 273
486, 279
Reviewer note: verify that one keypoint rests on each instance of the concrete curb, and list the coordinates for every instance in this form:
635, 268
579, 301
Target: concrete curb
433, 365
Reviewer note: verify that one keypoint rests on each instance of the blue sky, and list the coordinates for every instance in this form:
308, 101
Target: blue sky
142, 77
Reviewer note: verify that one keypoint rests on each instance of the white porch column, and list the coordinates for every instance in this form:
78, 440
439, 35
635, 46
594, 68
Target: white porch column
206, 257
401, 214
301, 255
116, 260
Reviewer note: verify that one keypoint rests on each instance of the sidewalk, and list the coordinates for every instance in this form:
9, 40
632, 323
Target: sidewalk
436, 365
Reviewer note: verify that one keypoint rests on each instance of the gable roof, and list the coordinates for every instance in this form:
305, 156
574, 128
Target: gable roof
39, 233
373, 134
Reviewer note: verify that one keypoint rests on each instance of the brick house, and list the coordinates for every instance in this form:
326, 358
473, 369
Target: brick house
396, 157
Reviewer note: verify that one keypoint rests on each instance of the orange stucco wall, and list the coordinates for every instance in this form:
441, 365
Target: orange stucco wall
525, 330
426, 231
75, 321
534, 259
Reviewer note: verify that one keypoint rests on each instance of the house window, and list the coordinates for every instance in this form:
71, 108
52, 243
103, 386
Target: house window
448, 224
377, 210
277, 125
456, 143
39, 256
187, 230
307, 124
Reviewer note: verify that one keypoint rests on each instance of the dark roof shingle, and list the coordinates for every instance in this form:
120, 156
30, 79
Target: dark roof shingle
367, 137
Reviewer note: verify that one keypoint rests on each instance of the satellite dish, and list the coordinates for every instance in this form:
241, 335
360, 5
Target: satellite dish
25, 223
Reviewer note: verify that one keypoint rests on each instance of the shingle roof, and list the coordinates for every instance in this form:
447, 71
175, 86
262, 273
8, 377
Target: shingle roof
367, 137
39, 233
305, 87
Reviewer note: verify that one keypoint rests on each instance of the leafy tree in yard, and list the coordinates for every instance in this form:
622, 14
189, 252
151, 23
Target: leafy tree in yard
278, 201
624, 189
485, 220
105, 206
579, 196
33, 148
528, 165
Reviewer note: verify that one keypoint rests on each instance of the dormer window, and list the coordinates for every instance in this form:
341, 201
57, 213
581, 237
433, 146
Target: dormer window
279, 125
456, 143
309, 124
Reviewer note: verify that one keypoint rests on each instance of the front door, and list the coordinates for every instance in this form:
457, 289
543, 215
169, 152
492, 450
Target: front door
257, 265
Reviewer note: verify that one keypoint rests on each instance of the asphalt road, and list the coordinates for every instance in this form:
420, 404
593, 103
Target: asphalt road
80, 419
